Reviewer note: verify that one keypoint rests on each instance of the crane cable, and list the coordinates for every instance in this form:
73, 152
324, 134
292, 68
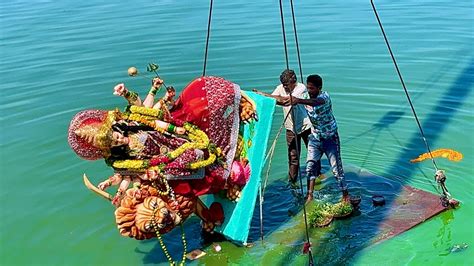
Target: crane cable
293, 114
440, 179
207, 38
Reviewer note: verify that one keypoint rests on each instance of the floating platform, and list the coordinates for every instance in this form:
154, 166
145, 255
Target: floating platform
405, 207
411, 207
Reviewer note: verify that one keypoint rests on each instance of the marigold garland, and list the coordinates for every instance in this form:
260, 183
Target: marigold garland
143, 120
139, 117
131, 164
198, 137
199, 140
203, 163
144, 111
195, 134
181, 149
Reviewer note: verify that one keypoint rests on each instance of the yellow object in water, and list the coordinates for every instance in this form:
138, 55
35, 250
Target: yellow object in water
449, 154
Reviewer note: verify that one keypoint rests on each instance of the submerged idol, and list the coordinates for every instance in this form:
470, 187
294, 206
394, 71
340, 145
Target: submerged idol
165, 154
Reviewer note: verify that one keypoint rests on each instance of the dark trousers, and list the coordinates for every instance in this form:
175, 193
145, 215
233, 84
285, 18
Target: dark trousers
293, 156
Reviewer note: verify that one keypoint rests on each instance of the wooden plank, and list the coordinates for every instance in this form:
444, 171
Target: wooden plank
238, 215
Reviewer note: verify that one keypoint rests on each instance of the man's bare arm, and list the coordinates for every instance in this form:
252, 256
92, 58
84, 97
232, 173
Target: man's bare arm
281, 100
310, 102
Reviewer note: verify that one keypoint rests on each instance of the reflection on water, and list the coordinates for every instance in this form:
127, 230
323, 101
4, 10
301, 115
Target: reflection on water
443, 240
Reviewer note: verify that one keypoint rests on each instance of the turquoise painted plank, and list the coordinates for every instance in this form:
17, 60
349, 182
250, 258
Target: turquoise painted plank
239, 215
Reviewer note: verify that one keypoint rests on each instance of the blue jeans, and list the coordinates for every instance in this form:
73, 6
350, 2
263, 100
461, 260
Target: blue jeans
332, 148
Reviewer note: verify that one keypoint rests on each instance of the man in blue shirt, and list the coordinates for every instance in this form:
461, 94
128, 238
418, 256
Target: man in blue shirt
324, 137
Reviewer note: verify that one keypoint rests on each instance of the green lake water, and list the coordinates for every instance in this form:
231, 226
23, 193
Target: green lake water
60, 57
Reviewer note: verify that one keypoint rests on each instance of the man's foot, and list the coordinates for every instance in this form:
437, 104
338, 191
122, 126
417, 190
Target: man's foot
345, 196
346, 199
309, 198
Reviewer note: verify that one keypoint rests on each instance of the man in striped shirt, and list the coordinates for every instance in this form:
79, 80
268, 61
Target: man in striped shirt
324, 137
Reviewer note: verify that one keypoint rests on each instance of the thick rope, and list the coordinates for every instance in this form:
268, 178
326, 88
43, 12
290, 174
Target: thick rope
284, 34
296, 40
403, 85
269, 157
207, 38
310, 255
271, 151
445, 192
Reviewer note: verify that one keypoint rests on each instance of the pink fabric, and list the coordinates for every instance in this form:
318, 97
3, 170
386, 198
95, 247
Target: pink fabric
209, 103
212, 104
240, 173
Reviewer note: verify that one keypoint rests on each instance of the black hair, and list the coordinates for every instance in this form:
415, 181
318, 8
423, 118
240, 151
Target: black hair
119, 153
315, 79
288, 76
125, 129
